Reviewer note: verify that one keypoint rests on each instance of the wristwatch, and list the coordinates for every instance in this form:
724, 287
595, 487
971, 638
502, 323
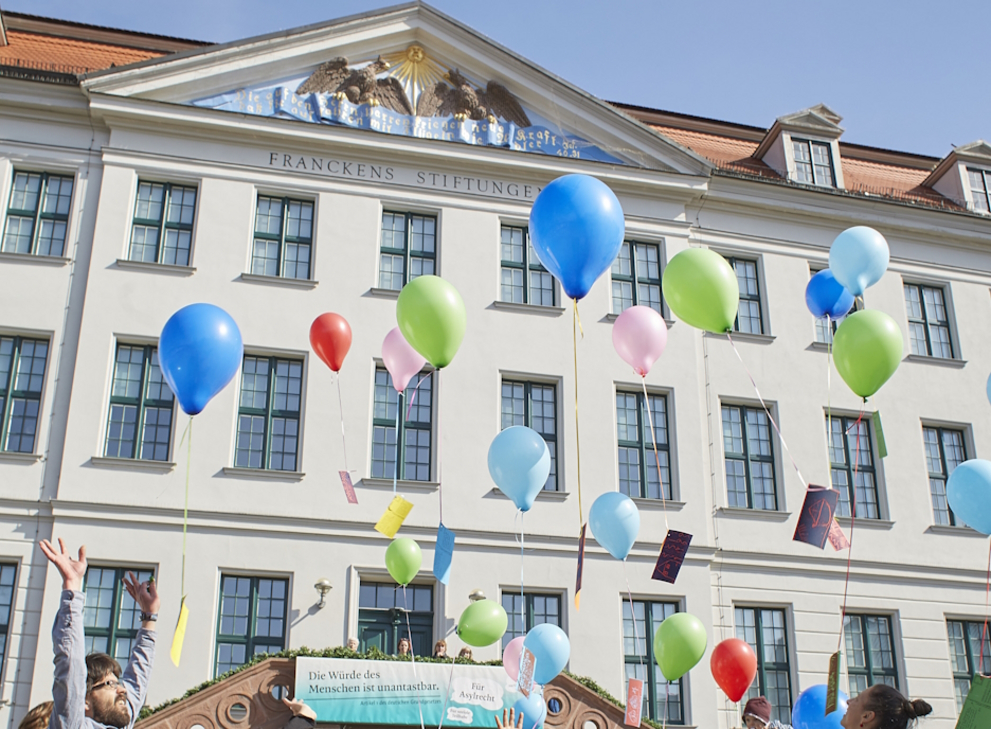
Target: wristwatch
145, 617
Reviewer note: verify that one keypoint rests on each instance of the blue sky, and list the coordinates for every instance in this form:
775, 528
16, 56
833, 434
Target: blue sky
907, 75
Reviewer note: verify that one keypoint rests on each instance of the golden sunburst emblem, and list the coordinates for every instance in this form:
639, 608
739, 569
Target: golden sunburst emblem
415, 70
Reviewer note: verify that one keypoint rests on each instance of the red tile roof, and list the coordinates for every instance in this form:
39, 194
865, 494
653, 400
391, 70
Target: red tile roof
67, 55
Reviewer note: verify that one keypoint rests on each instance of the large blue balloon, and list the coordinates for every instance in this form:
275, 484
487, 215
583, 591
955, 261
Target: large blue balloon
968, 490
519, 463
858, 258
199, 352
809, 711
825, 296
576, 227
988, 388
552, 649
615, 523
533, 709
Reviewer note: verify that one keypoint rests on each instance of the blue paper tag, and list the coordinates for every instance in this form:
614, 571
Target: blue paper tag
443, 553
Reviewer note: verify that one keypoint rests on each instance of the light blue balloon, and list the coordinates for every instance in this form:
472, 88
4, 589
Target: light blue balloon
199, 352
988, 388
519, 463
858, 258
968, 490
615, 523
552, 649
533, 708
576, 227
825, 296
809, 711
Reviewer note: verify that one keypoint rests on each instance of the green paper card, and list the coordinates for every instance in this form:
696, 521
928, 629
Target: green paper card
882, 448
976, 712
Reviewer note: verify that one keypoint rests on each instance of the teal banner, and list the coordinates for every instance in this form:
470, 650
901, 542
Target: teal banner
355, 691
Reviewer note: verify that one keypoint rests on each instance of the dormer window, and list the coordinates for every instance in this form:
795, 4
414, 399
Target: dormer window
813, 162
980, 189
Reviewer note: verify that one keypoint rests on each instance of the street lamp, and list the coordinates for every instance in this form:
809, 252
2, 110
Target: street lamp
323, 586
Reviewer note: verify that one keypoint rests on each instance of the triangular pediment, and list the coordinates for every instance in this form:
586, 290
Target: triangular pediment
408, 71
819, 118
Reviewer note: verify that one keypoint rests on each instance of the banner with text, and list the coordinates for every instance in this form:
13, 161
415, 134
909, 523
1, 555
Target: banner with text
355, 691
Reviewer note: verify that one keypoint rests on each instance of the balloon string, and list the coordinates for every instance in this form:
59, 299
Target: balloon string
984, 630
657, 459
412, 398
344, 442
440, 440
829, 396
576, 322
633, 615
522, 598
185, 508
395, 471
767, 411
412, 656
853, 520
450, 682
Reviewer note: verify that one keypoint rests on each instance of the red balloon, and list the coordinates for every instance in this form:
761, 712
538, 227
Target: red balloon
330, 337
734, 666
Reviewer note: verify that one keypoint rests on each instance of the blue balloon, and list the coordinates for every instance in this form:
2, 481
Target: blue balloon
968, 490
858, 258
552, 649
519, 463
576, 227
825, 296
809, 711
199, 352
533, 709
615, 523
988, 388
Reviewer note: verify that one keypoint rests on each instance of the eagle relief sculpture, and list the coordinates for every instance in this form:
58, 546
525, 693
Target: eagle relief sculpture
451, 95
359, 86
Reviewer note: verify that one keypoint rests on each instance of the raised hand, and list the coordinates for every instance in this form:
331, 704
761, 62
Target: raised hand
145, 594
507, 720
299, 708
72, 570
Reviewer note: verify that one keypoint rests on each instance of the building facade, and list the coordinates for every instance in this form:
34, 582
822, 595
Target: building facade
265, 178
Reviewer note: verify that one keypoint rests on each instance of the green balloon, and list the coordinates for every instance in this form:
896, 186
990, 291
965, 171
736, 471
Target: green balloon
431, 316
867, 349
482, 623
679, 644
403, 559
701, 289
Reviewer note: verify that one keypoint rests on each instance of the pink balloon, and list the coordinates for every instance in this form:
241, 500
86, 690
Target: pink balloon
511, 657
639, 335
400, 359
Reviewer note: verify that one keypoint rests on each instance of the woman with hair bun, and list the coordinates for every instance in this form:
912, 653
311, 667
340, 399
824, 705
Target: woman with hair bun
883, 707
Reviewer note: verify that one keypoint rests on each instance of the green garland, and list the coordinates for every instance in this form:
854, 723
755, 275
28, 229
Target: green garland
372, 654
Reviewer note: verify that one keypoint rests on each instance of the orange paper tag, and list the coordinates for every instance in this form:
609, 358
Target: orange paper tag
634, 702
528, 662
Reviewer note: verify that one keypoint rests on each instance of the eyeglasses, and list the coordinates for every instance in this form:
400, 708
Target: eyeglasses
112, 683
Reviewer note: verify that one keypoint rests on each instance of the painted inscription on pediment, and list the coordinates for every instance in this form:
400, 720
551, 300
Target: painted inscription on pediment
408, 93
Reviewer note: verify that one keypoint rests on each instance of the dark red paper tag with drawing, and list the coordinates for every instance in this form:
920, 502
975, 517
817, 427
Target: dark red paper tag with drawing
634, 702
581, 566
672, 556
348, 487
816, 516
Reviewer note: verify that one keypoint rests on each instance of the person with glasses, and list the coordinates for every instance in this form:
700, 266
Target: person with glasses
91, 691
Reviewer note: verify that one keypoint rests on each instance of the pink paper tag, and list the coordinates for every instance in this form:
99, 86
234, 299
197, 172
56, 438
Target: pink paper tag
634, 702
348, 487
837, 538
528, 662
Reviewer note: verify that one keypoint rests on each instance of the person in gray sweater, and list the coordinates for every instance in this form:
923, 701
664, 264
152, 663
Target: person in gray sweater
91, 691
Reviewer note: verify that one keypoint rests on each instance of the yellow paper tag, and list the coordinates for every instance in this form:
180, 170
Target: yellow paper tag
180, 633
393, 517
